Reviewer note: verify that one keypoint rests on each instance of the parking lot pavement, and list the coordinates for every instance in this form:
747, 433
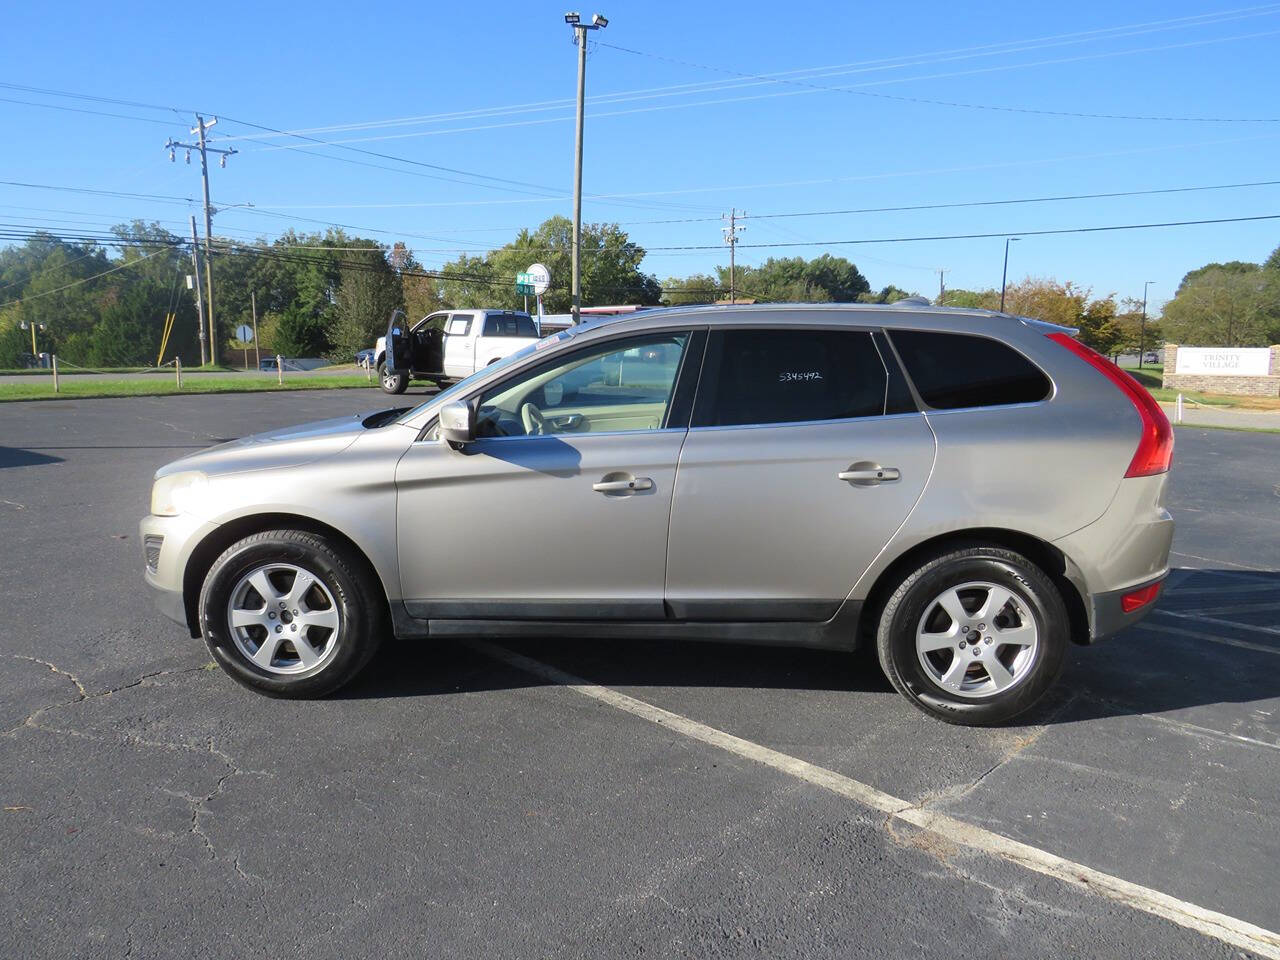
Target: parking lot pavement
450, 803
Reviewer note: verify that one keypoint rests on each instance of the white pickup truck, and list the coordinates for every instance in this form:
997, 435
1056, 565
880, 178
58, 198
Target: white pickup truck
450, 345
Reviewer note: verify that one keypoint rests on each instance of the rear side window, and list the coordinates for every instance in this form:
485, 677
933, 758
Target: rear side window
508, 325
954, 370
789, 376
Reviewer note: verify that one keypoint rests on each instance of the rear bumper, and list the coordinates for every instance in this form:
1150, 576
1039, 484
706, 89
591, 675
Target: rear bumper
1125, 549
1107, 615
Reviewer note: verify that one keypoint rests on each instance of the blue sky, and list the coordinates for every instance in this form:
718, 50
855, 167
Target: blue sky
667, 138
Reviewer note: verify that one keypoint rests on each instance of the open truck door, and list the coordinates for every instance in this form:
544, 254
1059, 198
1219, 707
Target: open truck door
398, 363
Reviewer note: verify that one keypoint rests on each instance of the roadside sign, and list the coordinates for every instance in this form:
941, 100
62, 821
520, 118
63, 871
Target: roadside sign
244, 333
540, 277
536, 280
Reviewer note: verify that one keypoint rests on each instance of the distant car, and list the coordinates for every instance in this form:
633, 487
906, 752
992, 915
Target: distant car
366, 357
267, 364
1150, 357
964, 492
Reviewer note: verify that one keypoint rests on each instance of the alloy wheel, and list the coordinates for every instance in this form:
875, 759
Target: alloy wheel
283, 618
977, 639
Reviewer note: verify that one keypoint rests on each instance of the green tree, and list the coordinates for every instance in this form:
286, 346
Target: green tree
294, 332
825, 279
1223, 305
1100, 328
697, 288
368, 291
422, 294
971, 299
889, 294
610, 269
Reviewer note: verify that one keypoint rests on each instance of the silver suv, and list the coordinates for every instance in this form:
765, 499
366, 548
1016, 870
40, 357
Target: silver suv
967, 492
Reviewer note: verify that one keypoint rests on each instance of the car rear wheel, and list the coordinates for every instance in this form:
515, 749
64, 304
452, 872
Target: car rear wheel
394, 383
285, 613
975, 635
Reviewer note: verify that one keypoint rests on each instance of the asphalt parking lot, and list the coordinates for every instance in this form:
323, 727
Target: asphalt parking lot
459, 801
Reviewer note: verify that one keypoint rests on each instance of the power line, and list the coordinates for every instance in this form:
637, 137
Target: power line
974, 106
96, 113
981, 236
906, 60
996, 203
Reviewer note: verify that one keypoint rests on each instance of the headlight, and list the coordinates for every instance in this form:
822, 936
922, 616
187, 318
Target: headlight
176, 493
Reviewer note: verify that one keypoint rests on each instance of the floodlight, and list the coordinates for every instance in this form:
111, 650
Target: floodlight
571, 19
599, 20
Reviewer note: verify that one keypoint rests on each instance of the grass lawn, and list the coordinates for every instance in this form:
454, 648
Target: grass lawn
84, 389
1151, 377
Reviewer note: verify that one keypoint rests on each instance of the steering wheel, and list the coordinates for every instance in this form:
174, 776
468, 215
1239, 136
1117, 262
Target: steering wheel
535, 423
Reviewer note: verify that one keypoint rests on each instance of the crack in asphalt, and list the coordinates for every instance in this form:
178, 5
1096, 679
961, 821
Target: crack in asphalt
198, 803
958, 791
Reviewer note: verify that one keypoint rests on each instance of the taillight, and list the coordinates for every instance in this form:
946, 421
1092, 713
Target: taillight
1139, 598
1155, 448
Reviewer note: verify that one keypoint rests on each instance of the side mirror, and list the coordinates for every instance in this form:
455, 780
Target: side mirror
457, 422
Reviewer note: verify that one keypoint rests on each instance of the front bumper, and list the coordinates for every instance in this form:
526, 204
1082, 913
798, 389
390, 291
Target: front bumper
169, 602
165, 566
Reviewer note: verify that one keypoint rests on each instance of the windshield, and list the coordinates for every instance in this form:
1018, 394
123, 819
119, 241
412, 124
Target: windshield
462, 386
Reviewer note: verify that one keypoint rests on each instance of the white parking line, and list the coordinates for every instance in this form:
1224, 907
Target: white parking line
1208, 637
1222, 623
1229, 563
1238, 933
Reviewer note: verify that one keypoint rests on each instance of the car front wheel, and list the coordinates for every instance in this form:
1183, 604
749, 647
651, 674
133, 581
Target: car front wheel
393, 383
286, 613
975, 635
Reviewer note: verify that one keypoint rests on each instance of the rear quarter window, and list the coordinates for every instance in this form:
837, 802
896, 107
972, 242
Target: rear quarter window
955, 370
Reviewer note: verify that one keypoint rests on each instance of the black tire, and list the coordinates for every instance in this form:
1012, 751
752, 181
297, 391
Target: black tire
392, 383
356, 595
916, 595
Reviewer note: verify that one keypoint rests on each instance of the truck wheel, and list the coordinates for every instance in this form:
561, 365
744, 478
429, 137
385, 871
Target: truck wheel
393, 383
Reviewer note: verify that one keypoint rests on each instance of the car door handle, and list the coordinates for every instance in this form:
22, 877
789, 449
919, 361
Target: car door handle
570, 421
868, 476
622, 486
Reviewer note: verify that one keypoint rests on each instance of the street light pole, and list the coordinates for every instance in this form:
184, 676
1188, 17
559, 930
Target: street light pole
1004, 278
580, 29
1142, 330
33, 325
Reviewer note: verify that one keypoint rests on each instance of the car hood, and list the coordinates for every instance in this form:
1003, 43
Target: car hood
286, 447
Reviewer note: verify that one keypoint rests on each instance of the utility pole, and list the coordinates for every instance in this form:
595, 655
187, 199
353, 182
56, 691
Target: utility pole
1142, 330
942, 285
195, 269
257, 347
1004, 280
200, 129
731, 238
580, 29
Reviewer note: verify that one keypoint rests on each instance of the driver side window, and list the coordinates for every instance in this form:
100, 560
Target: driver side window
618, 386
